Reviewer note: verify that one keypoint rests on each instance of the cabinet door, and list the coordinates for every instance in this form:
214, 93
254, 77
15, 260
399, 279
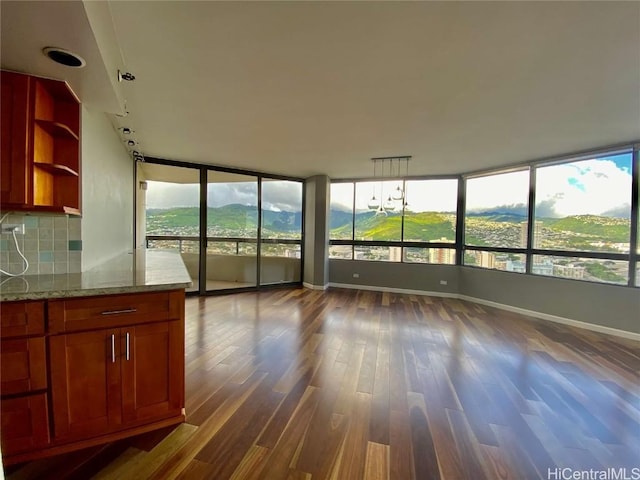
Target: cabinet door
85, 383
14, 140
152, 371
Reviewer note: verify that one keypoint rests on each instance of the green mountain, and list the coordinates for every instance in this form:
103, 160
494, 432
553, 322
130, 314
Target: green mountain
578, 232
424, 226
229, 220
606, 228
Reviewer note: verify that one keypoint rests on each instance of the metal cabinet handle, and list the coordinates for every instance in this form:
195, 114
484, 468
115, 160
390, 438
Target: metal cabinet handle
116, 312
113, 348
127, 346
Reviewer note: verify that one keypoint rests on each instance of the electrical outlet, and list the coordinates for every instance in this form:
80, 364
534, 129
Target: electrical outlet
356, 275
443, 282
8, 228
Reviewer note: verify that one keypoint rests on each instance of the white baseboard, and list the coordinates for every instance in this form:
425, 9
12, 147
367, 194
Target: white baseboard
555, 318
523, 311
314, 287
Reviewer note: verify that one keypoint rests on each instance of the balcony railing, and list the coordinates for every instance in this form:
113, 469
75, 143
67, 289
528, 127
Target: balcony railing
237, 242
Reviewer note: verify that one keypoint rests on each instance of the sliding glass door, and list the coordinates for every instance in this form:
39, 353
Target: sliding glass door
281, 232
169, 212
232, 231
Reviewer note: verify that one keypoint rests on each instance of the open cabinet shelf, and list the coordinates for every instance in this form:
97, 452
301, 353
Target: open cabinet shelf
56, 169
40, 145
57, 129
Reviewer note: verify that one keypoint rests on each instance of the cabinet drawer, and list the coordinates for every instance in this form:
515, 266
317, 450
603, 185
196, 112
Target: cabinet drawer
25, 423
23, 365
108, 311
19, 319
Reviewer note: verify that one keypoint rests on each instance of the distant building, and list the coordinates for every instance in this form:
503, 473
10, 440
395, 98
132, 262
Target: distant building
442, 255
569, 271
515, 266
537, 234
486, 259
395, 254
543, 268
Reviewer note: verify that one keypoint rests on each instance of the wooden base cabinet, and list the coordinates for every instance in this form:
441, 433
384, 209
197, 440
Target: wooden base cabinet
105, 383
112, 379
23, 378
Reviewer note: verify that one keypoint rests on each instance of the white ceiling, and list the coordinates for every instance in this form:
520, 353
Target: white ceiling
304, 88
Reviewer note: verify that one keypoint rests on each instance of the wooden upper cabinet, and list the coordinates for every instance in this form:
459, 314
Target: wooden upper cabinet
40, 145
14, 154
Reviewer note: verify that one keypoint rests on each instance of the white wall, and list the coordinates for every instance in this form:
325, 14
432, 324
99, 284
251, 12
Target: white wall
107, 191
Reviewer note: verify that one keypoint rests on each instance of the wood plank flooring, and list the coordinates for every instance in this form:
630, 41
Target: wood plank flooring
344, 384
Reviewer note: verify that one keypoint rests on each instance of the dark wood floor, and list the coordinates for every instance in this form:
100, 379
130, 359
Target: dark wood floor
346, 384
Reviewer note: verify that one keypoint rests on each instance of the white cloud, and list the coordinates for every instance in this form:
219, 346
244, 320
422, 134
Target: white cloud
276, 195
498, 190
587, 187
422, 195
167, 195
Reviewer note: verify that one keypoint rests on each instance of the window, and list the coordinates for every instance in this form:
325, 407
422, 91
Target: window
496, 210
577, 268
232, 230
584, 206
280, 249
381, 225
236, 255
171, 204
446, 256
430, 211
580, 226
412, 229
341, 211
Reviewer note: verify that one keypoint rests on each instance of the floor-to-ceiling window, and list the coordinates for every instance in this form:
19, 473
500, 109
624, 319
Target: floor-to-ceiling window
234, 229
170, 212
281, 232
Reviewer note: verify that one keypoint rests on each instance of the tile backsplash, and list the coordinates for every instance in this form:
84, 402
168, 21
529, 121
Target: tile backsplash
51, 244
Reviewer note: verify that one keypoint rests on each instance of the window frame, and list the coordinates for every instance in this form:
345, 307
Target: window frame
632, 257
396, 243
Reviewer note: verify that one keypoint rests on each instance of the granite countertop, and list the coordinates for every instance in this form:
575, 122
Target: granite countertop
139, 271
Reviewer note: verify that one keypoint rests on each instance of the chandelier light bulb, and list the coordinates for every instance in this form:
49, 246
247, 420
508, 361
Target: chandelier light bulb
389, 204
398, 194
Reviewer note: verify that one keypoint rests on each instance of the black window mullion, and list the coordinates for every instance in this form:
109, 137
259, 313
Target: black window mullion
202, 270
404, 202
633, 235
531, 220
353, 223
259, 233
462, 192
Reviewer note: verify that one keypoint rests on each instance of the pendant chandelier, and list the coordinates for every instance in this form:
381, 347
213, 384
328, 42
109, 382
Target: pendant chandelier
397, 198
